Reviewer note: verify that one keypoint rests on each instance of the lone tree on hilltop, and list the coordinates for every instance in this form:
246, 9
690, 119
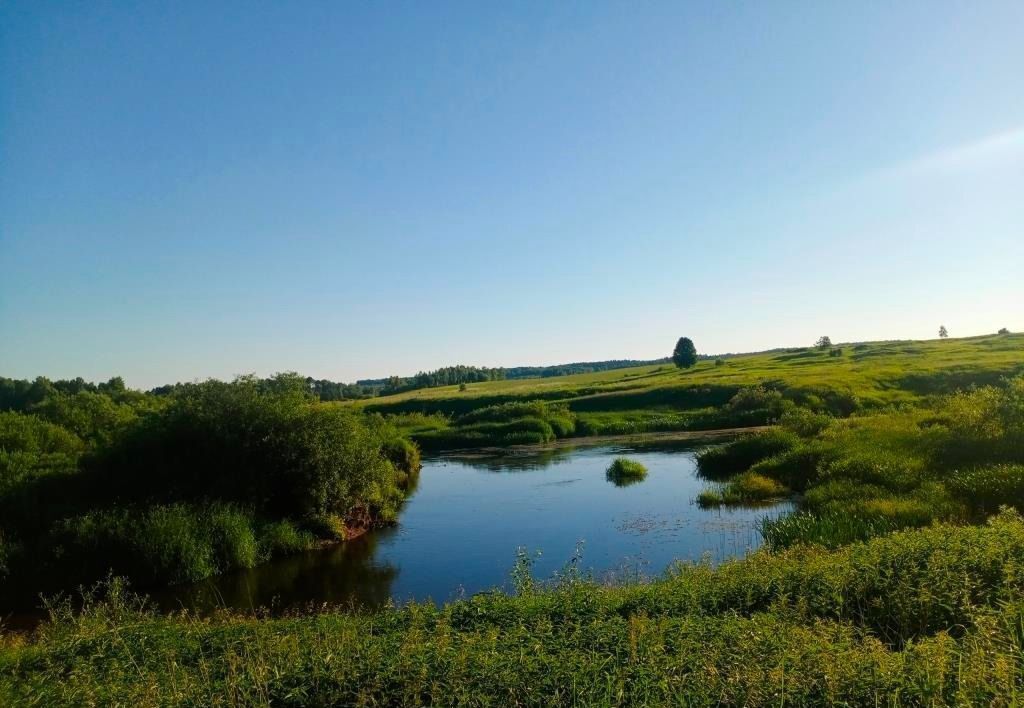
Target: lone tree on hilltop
943, 332
685, 354
1003, 330
823, 342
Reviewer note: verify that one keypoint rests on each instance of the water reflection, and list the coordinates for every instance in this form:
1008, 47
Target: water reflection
356, 578
459, 532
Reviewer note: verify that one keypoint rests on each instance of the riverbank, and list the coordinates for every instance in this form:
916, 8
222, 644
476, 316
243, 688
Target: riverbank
688, 436
926, 617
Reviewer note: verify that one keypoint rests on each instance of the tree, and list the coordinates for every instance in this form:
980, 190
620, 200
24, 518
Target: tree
823, 342
685, 354
1003, 330
943, 332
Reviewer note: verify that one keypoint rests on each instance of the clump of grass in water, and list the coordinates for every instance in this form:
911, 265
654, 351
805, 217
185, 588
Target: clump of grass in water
624, 471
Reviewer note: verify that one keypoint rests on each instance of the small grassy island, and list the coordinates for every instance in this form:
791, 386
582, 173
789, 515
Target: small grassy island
624, 471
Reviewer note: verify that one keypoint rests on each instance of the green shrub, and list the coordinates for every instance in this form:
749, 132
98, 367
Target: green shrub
281, 538
797, 468
805, 423
988, 488
739, 455
158, 544
257, 444
403, 454
623, 471
745, 488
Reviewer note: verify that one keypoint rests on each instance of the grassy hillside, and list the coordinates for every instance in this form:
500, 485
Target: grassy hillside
880, 373
840, 381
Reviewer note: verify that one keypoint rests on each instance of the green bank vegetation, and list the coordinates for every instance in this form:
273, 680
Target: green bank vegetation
174, 488
923, 617
623, 471
897, 581
734, 391
956, 459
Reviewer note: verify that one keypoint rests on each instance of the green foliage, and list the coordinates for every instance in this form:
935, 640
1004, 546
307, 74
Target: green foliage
513, 423
186, 484
280, 538
93, 417
271, 450
685, 354
161, 543
624, 471
929, 617
805, 423
745, 488
988, 488
738, 456
830, 530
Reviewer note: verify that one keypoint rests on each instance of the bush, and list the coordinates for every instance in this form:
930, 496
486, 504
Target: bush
623, 471
797, 468
805, 423
745, 488
739, 455
281, 538
264, 447
988, 488
403, 454
166, 543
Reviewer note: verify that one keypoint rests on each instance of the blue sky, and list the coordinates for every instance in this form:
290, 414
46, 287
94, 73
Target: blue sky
359, 189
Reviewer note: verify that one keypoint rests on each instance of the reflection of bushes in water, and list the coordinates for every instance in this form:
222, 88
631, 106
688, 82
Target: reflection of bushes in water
512, 462
344, 574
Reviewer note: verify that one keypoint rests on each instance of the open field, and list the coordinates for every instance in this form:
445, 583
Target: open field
879, 373
897, 581
840, 381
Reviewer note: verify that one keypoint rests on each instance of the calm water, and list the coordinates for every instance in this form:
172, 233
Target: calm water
459, 532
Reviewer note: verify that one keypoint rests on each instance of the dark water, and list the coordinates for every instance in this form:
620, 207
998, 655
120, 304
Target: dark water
459, 532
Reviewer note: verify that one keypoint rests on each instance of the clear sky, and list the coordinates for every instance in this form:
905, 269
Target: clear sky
350, 190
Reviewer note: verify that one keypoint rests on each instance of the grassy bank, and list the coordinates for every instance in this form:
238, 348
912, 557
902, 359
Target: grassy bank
924, 617
214, 477
957, 458
744, 390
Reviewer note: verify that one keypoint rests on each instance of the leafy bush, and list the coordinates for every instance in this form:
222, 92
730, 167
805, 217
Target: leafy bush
745, 488
797, 468
741, 454
624, 471
988, 488
805, 423
240, 443
280, 538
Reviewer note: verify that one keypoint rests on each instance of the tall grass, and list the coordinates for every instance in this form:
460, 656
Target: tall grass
929, 617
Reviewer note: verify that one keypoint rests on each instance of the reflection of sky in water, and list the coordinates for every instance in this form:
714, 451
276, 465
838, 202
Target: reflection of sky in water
459, 532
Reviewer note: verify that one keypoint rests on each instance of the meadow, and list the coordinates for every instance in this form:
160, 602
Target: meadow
897, 580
